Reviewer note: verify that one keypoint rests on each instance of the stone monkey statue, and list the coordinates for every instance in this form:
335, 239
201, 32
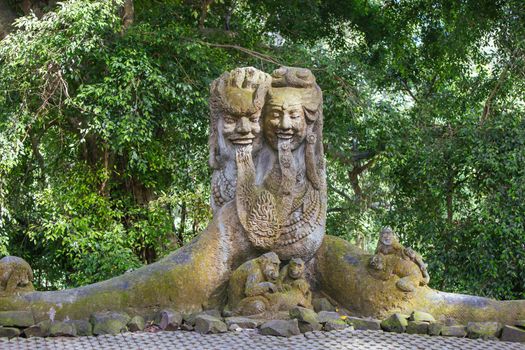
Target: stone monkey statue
292, 280
250, 282
389, 244
15, 275
385, 267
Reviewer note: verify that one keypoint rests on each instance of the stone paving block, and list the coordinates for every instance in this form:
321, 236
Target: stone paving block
9, 332
282, 328
205, 323
454, 331
513, 334
62, 329
435, 328
395, 323
108, 322
484, 330
364, 323
244, 322
169, 320
417, 327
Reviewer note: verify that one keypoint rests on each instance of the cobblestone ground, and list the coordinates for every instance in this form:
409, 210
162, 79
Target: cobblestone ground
249, 339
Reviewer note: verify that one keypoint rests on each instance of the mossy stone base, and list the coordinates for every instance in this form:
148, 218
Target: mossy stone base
16, 319
9, 332
109, 322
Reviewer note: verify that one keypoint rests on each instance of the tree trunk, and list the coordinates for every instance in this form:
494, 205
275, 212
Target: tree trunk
7, 17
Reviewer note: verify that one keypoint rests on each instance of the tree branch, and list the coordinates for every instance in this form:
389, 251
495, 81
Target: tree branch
348, 159
407, 89
253, 53
501, 79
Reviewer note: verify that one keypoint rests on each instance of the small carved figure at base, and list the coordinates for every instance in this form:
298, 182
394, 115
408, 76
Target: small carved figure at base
16, 275
250, 282
292, 277
389, 244
384, 267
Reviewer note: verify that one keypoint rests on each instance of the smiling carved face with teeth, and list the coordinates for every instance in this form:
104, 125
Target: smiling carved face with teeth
284, 118
240, 128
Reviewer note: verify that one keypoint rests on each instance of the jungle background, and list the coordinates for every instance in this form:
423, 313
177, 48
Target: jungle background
104, 124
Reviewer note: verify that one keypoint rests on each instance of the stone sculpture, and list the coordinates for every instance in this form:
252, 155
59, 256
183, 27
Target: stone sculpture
388, 244
15, 275
251, 282
392, 266
269, 198
292, 277
257, 286
281, 199
236, 102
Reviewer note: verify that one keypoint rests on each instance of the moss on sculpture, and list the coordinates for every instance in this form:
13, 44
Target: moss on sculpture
343, 273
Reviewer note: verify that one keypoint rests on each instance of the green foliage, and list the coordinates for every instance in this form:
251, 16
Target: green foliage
103, 130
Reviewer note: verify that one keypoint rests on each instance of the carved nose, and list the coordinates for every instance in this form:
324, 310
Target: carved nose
243, 126
286, 123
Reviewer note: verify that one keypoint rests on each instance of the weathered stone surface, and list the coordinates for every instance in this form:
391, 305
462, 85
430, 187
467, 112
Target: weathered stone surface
417, 327
9, 332
213, 312
395, 323
364, 323
234, 328
83, 327
484, 330
514, 334
169, 320
309, 327
305, 315
435, 328
420, 316
244, 322
16, 319
62, 329
334, 325
454, 331
322, 304
136, 324
41, 329
109, 322
325, 316
281, 328
209, 324
15, 276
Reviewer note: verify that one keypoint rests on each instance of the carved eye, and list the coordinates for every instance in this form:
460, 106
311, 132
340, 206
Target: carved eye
295, 116
254, 119
229, 120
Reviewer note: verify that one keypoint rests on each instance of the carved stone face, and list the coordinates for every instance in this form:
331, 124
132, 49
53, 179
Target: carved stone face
376, 262
242, 128
284, 118
296, 268
270, 266
387, 236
